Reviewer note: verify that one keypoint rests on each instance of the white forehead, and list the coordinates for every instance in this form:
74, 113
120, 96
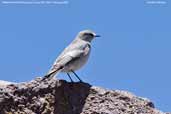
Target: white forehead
87, 31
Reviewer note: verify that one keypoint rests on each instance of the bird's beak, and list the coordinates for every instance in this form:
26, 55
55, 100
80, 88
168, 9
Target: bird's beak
97, 36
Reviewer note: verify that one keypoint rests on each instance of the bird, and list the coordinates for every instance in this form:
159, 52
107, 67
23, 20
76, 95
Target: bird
74, 56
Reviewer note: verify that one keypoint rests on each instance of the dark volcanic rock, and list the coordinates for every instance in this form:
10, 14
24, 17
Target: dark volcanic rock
61, 97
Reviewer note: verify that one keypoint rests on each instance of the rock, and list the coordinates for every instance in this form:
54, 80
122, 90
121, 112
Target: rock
5, 83
61, 97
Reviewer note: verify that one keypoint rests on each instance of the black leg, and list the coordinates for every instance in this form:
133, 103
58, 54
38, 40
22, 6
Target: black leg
76, 75
70, 77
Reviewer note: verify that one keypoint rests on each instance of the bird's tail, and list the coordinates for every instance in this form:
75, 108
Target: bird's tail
52, 73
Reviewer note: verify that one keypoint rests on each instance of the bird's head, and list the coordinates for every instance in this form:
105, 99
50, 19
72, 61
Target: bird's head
87, 35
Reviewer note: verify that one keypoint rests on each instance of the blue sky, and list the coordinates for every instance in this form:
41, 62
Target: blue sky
133, 53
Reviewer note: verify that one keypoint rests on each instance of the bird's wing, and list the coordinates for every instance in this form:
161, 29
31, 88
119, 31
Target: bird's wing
69, 56
66, 58
62, 61
75, 45
74, 50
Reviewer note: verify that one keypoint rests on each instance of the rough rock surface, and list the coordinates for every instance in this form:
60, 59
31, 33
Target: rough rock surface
61, 97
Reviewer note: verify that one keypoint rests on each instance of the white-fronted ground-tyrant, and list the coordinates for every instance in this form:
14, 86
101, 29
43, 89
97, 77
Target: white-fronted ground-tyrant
74, 56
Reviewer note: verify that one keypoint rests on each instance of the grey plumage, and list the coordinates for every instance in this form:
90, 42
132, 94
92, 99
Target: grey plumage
74, 56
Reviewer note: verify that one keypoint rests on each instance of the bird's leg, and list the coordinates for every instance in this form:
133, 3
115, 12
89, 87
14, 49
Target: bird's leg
70, 77
76, 75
